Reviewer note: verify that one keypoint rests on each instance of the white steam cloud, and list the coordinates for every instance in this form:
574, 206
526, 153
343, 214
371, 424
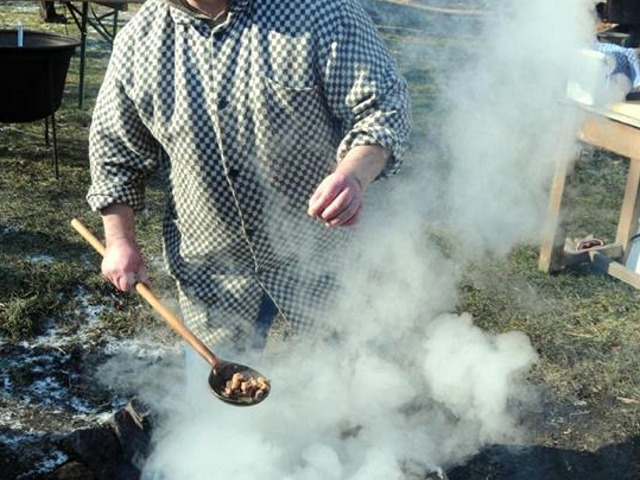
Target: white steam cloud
408, 385
508, 120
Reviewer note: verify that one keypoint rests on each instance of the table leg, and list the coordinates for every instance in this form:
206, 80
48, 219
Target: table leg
628, 222
551, 257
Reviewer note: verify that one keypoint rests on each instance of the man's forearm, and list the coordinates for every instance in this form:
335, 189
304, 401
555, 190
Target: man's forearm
122, 264
364, 162
118, 222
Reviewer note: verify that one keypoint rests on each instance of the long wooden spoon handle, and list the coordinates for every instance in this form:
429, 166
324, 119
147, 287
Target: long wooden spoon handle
145, 292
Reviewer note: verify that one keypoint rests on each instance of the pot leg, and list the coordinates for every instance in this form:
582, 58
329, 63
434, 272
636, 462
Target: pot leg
55, 145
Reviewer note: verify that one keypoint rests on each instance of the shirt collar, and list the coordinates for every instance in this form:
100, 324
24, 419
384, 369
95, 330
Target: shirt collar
185, 15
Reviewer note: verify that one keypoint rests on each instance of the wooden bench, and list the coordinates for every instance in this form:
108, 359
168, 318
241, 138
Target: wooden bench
615, 128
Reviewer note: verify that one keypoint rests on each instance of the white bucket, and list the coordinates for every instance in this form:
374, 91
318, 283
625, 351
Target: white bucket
589, 76
633, 259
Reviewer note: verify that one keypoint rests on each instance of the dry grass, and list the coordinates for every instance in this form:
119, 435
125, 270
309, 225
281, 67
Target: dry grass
584, 325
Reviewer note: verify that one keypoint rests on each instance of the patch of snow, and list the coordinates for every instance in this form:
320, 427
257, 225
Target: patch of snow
46, 259
90, 312
47, 388
142, 349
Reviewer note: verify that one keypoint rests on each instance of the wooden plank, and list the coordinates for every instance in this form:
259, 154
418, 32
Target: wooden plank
615, 269
611, 135
627, 113
630, 110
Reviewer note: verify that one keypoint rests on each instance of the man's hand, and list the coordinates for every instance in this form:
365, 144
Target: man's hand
338, 199
122, 264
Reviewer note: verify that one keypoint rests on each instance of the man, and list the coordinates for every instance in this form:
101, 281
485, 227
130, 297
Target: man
49, 14
268, 120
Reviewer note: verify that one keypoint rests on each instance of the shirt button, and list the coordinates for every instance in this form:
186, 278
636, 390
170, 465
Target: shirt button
222, 103
233, 173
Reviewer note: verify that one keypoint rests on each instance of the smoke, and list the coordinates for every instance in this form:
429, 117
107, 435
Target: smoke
406, 385
508, 121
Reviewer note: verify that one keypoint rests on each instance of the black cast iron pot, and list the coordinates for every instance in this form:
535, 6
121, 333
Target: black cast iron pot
32, 77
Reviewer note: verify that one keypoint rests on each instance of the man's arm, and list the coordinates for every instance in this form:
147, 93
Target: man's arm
123, 154
369, 97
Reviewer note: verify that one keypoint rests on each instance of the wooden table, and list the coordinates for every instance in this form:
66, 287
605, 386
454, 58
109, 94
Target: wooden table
85, 17
615, 128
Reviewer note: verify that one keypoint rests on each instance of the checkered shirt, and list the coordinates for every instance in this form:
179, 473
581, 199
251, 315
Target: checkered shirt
244, 119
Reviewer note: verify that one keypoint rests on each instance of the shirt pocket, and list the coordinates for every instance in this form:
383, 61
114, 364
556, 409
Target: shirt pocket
297, 115
293, 99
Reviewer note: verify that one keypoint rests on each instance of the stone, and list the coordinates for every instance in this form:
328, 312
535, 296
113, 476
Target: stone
132, 427
100, 451
73, 470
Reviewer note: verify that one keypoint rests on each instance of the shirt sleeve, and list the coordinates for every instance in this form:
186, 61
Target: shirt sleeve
364, 88
122, 151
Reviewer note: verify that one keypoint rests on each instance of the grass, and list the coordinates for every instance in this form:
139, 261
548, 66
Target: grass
43, 262
584, 325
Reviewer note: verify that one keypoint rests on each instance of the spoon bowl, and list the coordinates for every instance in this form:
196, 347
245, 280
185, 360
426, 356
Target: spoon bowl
223, 373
